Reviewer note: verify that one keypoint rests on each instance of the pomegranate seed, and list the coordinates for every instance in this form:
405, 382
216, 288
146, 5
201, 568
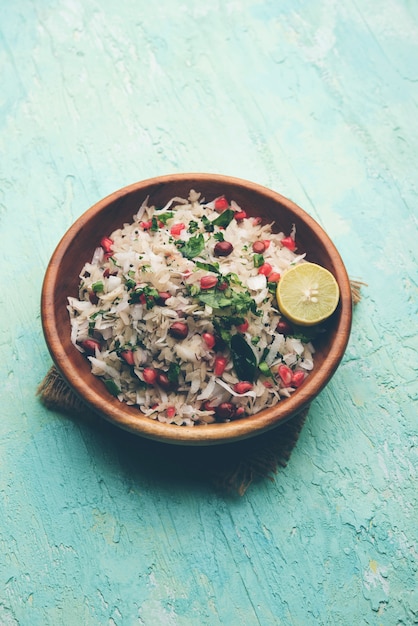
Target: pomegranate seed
89, 346
146, 225
221, 204
149, 375
179, 330
106, 244
160, 224
285, 374
265, 269
107, 255
268, 384
289, 242
284, 327
297, 379
242, 387
128, 357
257, 221
240, 215
93, 297
224, 411
163, 380
266, 243
220, 364
274, 277
259, 247
171, 411
239, 412
162, 297
142, 298
223, 248
176, 229
209, 340
242, 328
108, 273
207, 282
222, 286
206, 406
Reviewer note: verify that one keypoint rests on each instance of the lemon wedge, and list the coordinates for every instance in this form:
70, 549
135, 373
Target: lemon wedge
307, 294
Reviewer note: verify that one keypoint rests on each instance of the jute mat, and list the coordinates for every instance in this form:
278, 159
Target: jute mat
230, 468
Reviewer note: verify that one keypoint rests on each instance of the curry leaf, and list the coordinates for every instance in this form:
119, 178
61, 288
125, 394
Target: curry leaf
243, 358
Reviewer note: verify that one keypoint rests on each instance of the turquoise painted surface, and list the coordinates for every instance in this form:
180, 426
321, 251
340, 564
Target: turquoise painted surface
317, 100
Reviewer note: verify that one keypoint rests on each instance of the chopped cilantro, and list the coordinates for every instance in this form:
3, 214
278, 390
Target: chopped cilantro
164, 217
215, 299
221, 330
238, 302
207, 224
193, 227
210, 267
193, 247
130, 284
146, 295
224, 218
194, 290
231, 277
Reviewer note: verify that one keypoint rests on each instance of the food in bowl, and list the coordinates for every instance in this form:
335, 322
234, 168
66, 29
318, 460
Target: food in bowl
177, 313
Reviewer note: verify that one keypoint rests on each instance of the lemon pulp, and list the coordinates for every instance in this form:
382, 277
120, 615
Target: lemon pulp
307, 294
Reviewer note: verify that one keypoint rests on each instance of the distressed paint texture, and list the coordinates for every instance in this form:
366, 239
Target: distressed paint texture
317, 100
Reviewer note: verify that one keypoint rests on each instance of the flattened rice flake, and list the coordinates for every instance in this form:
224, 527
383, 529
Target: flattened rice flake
164, 269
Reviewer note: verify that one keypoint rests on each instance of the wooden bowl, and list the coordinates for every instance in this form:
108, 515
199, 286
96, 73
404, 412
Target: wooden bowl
76, 247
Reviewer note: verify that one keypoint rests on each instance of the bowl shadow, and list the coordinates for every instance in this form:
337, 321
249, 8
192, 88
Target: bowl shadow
226, 470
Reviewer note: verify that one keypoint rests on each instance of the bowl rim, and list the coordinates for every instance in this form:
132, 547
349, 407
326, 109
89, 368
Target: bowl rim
218, 433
